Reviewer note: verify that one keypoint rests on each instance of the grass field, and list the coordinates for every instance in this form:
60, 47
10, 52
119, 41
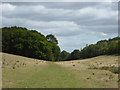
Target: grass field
22, 72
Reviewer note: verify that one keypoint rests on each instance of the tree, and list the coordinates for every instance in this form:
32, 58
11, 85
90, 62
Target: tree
75, 55
29, 43
103, 47
51, 38
113, 47
56, 52
64, 55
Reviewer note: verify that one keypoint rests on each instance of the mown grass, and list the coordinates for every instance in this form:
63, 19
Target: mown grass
50, 76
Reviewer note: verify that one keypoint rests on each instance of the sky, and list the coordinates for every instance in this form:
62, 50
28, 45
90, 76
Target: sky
74, 24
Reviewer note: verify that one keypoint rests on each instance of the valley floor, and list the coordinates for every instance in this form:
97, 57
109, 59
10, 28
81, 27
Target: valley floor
22, 72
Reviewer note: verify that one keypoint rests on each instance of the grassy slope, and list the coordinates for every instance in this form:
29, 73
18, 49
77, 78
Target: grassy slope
94, 78
22, 72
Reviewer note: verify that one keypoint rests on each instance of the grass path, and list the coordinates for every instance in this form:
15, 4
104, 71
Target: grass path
50, 76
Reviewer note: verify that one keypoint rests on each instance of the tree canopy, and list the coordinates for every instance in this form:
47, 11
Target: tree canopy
30, 43
64, 55
103, 47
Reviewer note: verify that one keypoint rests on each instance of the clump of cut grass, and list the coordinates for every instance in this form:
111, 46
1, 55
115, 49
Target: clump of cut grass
111, 77
36, 62
106, 80
93, 73
3, 62
88, 78
73, 65
17, 61
13, 67
23, 64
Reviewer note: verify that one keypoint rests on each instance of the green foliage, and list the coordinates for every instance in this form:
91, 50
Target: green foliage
56, 51
55, 48
51, 38
64, 55
29, 43
103, 47
113, 47
0, 39
74, 55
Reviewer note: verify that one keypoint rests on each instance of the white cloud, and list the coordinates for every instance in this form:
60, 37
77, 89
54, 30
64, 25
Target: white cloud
7, 7
91, 21
57, 13
59, 28
60, 1
96, 13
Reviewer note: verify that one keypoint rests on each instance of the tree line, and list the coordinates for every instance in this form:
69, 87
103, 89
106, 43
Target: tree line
103, 47
33, 44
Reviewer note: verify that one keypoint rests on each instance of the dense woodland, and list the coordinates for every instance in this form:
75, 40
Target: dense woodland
30, 43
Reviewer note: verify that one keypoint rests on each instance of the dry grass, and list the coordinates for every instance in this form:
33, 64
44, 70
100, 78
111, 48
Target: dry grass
24, 72
86, 63
14, 61
105, 77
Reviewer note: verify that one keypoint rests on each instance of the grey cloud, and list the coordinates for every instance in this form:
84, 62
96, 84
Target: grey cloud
64, 5
84, 16
70, 22
69, 5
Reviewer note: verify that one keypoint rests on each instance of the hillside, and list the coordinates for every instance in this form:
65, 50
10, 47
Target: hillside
23, 72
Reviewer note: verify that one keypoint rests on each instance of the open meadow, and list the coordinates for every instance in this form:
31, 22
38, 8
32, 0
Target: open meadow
23, 72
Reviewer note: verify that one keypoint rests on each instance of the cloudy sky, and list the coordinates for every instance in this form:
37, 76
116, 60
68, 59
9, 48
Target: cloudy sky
75, 24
